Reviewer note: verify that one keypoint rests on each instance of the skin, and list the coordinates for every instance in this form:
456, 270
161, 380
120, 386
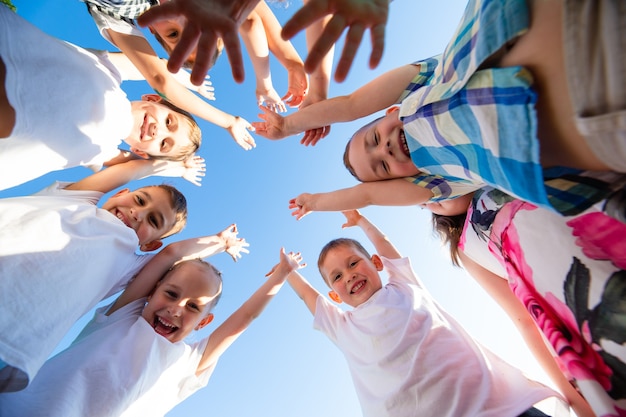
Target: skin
148, 211
7, 121
157, 129
451, 207
181, 301
352, 276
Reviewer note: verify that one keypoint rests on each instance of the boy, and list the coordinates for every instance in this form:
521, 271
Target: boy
61, 254
407, 357
62, 106
476, 114
133, 353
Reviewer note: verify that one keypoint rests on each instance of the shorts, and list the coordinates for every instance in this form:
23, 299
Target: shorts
533, 412
594, 41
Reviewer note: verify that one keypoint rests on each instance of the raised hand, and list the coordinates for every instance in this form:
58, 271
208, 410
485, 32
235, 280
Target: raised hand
273, 125
312, 136
356, 15
206, 21
301, 205
194, 169
206, 89
271, 99
239, 131
298, 86
352, 218
235, 246
290, 262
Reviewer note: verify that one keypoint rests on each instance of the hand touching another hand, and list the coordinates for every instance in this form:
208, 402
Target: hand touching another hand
235, 246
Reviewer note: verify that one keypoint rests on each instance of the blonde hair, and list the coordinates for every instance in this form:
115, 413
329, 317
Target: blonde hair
210, 268
195, 135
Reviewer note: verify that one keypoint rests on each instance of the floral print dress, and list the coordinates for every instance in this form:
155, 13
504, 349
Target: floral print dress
569, 274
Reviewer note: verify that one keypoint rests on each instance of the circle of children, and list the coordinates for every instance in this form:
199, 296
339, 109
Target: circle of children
514, 137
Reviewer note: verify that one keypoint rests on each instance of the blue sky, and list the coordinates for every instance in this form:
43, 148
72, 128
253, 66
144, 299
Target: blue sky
280, 366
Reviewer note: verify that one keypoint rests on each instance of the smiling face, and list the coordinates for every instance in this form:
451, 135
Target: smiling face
157, 129
351, 275
379, 151
181, 302
148, 211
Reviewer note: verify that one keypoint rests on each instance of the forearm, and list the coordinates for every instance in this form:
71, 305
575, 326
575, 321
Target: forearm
254, 38
117, 175
304, 290
320, 78
380, 241
283, 50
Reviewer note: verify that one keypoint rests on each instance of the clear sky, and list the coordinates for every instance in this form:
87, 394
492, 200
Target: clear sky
281, 366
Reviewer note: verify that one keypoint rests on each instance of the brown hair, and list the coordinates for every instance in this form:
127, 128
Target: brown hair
179, 204
346, 152
195, 135
450, 229
335, 243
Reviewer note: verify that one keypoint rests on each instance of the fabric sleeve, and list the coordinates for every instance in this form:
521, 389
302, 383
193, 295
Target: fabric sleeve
328, 318
133, 269
442, 188
57, 189
193, 382
105, 22
427, 68
400, 270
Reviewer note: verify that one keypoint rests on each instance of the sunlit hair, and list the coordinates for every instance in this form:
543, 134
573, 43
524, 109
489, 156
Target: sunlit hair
337, 243
450, 229
195, 135
346, 152
179, 204
189, 63
210, 269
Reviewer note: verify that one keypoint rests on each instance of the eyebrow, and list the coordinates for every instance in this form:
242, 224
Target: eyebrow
158, 214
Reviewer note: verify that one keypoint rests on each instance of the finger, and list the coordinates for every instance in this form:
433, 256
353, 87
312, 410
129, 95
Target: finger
207, 45
166, 10
326, 40
351, 45
188, 41
233, 50
378, 45
302, 19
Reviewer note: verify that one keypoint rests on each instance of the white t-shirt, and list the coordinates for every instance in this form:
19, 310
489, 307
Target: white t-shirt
59, 256
408, 357
118, 366
106, 22
70, 109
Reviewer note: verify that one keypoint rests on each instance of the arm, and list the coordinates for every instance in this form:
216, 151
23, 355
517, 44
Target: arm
396, 192
498, 288
374, 96
206, 21
203, 247
383, 246
155, 72
286, 54
355, 14
304, 290
253, 35
239, 321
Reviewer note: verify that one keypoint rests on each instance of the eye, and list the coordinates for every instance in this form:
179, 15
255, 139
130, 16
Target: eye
353, 263
385, 166
153, 221
376, 139
168, 121
193, 306
140, 200
172, 35
171, 294
336, 277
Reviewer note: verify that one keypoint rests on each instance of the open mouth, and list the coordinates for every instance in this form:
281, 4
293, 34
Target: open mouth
357, 287
163, 327
144, 127
403, 145
121, 216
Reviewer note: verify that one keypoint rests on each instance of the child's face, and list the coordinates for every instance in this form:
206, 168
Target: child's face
180, 301
379, 151
352, 275
157, 129
170, 31
148, 211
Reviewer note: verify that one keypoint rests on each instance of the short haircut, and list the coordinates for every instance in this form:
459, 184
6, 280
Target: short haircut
195, 135
210, 268
346, 152
179, 204
188, 64
336, 243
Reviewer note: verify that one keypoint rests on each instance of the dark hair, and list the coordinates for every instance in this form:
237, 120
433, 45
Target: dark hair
195, 135
335, 243
450, 229
346, 152
179, 204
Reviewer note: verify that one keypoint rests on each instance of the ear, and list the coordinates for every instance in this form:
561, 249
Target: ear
392, 109
208, 319
150, 246
152, 97
335, 297
121, 192
378, 263
139, 153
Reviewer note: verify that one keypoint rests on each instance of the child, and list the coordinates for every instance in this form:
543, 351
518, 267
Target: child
61, 106
61, 255
407, 357
260, 32
473, 115
133, 354
121, 32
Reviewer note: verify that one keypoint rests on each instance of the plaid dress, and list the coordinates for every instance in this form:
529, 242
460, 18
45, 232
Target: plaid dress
471, 127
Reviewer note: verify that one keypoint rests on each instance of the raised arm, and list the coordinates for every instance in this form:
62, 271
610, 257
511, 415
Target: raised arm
498, 288
203, 247
304, 290
383, 246
155, 72
374, 96
206, 21
239, 321
357, 15
396, 192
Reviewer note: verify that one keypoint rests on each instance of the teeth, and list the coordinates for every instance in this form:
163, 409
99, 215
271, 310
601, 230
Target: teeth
358, 286
171, 326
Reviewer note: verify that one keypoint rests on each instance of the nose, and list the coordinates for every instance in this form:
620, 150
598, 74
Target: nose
175, 309
138, 213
